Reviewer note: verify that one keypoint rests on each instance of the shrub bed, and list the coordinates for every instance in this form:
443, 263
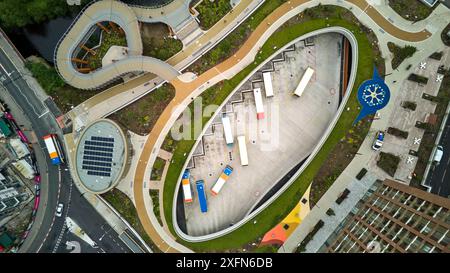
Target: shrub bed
388, 162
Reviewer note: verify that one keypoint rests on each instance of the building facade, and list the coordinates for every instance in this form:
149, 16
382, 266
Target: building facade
393, 217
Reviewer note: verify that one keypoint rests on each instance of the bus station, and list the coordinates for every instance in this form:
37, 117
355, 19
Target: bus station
266, 130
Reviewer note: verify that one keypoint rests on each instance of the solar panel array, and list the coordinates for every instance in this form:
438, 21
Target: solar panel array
97, 157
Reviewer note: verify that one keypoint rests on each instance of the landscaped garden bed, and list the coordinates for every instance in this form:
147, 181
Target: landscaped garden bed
157, 169
65, 96
412, 10
361, 173
388, 162
120, 202
437, 55
157, 42
210, 12
309, 237
397, 132
409, 105
154, 195
400, 53
113, 38
140, 116
417, 78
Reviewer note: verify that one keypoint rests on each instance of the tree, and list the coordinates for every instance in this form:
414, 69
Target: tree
19, 13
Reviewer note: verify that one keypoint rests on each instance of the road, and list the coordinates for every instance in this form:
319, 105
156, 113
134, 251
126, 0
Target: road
439, 176
56, 183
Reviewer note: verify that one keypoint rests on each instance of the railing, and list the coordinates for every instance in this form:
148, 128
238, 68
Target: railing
67, 31
150, 7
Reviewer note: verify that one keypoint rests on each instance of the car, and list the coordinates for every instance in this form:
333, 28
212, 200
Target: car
59, 209
378, 141
37, 189
438, 154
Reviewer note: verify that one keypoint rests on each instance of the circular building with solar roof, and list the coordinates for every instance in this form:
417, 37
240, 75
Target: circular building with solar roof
101, 157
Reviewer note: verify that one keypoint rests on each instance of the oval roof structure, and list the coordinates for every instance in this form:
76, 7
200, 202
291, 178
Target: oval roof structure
101, 154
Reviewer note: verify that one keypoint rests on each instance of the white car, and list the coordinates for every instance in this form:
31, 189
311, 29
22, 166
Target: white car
378, 141
438, 155
59, 209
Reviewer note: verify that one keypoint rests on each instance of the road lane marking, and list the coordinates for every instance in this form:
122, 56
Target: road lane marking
46, 112
54, 216
4, 69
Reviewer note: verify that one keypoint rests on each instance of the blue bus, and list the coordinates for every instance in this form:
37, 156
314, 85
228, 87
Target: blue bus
202, 195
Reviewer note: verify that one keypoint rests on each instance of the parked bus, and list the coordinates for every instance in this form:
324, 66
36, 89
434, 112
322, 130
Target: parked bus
227, 130
200, 184
54, 149
221, 180
259, 103
243, 150
186, 186
304, 81
268, 84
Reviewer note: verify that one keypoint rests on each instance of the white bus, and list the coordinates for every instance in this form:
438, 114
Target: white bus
304, 81
186, 186
227, 130
268, 84
54, 149
243, 150
259, 103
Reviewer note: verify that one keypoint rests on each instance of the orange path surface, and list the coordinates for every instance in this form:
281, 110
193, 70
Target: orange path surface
184, 90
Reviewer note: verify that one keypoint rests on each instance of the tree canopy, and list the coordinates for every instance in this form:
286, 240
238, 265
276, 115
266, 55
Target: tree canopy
19, 13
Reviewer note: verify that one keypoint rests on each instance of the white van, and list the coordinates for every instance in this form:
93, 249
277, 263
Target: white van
438, 155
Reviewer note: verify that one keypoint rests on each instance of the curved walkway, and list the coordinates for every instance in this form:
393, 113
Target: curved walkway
184, 91
122, 15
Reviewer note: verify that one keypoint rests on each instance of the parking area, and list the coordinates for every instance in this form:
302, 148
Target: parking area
405, 119
289, 131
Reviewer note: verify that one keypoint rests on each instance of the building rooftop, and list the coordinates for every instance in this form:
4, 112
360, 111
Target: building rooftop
101, 155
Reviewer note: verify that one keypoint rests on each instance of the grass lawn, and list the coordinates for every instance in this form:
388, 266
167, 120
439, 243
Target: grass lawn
388, 162
154, 194
275, 212
157, 43
141, 115
114, 38
235, 39
412, 10
210, 12
400, 53
125, 207
65, 96
157, 169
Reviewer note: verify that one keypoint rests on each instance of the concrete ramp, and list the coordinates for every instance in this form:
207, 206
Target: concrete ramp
122, 15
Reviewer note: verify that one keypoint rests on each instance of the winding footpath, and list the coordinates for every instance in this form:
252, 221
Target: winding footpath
186, 91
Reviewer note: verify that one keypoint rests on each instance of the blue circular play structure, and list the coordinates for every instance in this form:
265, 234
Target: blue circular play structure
373, 95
